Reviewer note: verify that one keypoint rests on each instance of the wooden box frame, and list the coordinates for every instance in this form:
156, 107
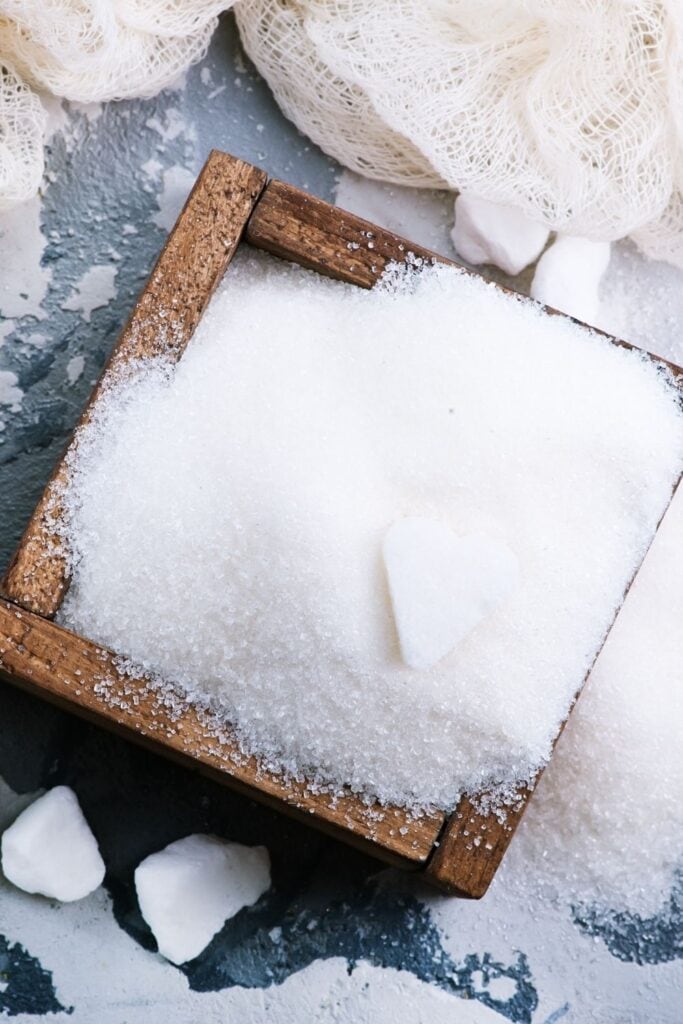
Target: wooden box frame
231, 200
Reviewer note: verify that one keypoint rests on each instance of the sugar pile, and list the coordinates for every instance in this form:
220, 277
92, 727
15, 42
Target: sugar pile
226, 518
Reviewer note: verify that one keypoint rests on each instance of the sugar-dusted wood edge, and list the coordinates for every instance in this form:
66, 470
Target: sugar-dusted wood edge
82, 677
472, 845
296, 226
191, 264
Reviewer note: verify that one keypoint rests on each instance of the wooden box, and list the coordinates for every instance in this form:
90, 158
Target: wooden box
231, 201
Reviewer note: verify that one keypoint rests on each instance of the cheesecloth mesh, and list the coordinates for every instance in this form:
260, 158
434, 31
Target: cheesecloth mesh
86, 50
568, 109
571, 110
22, 123
92, 50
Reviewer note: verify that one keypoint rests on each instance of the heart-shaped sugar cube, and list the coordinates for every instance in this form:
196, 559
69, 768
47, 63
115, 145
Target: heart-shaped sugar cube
442, 585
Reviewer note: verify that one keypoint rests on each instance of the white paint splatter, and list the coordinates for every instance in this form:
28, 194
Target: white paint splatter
94, 289
93, 111
174, 125
11, 394
74, 369
177, 182
36, 339
152, 167
6, 328
23, 280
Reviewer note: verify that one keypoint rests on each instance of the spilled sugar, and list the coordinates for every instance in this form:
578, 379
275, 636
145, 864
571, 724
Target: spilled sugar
226, 518
606, 821
589, 834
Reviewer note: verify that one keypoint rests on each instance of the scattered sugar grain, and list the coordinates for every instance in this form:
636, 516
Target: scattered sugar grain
226, 518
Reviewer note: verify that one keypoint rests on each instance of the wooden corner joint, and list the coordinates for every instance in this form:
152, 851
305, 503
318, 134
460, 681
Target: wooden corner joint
471, 846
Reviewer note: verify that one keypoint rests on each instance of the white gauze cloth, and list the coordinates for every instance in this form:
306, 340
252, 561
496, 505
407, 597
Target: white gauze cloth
570, 110
86, 50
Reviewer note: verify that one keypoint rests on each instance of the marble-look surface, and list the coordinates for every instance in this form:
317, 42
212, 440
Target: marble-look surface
336, 938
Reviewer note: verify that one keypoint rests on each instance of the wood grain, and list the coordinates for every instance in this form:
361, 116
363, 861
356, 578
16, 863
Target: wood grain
296, 226
471, 847
77, 674
192, 262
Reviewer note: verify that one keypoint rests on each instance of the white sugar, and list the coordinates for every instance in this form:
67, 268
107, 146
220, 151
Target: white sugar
227, 518
606, 821
50, 849
188, 890
568, 276
486, 232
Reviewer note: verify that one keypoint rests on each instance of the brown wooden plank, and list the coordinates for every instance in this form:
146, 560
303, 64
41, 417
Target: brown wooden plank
471, 847
77, 674
191, 264
299, 227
